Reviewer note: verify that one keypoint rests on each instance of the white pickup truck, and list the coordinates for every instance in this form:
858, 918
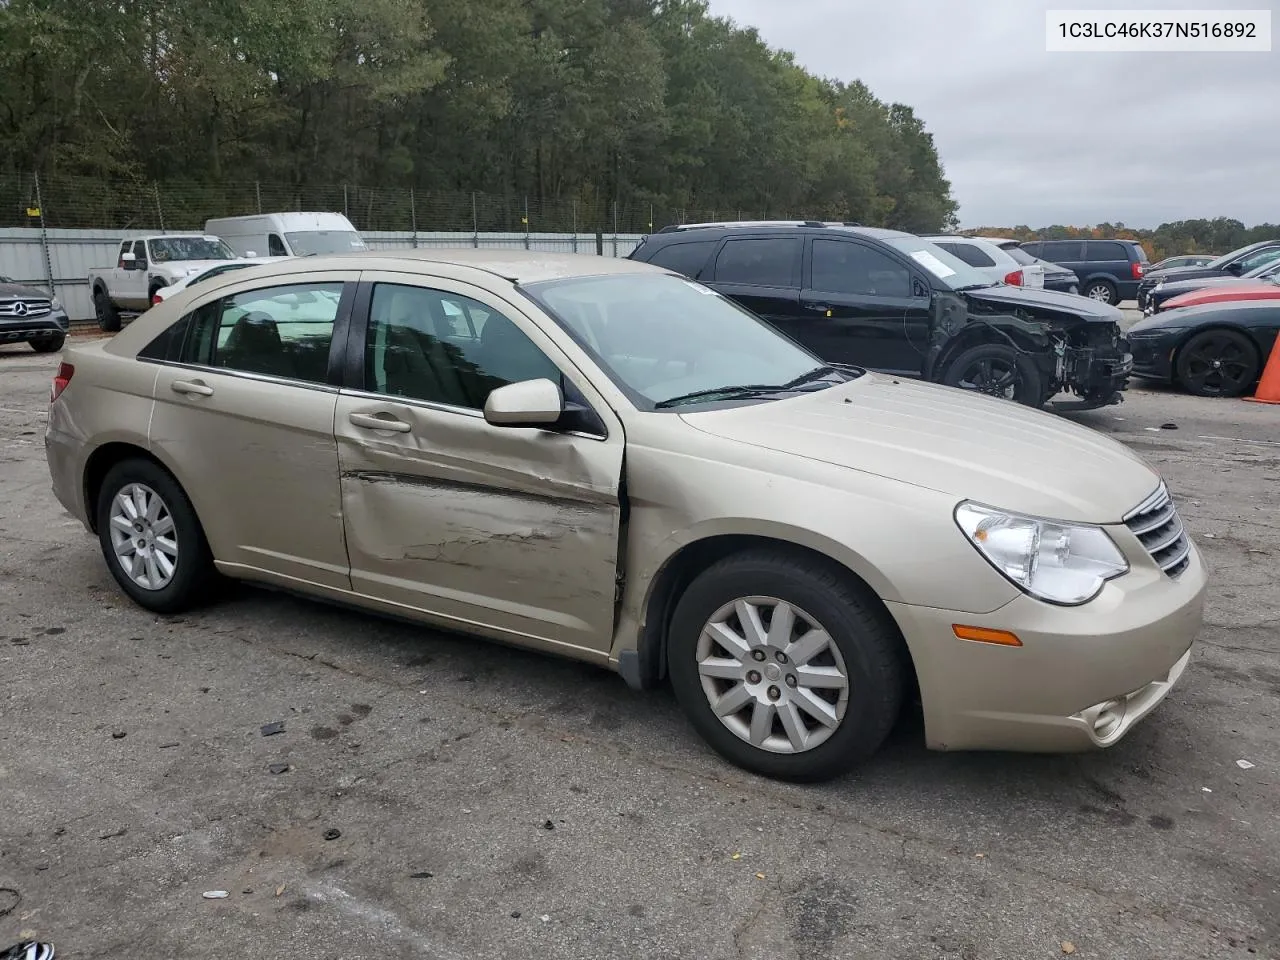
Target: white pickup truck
144, 265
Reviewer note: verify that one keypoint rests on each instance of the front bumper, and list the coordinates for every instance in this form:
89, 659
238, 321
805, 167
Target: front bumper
1153, 356
13, 330
1083, 677
1097, 372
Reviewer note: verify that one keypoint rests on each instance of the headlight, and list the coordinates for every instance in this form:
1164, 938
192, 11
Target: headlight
1061, 563
55, 304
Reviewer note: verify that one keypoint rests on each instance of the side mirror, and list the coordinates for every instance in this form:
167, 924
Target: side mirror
1235, 268
530, 403
250, 253
129, 260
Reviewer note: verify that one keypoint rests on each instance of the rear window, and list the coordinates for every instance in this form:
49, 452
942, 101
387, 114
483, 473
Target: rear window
1101, 251
966, 252
1020, 255
763, 262
686, 258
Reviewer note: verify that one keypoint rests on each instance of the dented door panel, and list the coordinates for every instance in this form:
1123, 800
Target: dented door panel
512, 531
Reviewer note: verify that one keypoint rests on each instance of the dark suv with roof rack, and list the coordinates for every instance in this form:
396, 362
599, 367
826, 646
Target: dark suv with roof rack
892, 302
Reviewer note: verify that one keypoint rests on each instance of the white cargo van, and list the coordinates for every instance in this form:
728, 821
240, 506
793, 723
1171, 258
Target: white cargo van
287, 234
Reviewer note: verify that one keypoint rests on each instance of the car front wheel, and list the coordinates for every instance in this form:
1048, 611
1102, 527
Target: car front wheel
997, 370
784, 666
1217, 363
151, 538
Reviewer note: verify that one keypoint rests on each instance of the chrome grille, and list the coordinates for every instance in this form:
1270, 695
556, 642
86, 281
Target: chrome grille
1157, 525
25, 307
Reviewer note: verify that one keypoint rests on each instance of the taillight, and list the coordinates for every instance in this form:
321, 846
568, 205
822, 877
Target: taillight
1014, 279
1136, 267
60, 380
155, 298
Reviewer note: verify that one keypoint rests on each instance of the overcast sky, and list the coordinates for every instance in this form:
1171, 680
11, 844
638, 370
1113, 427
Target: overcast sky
1031, 137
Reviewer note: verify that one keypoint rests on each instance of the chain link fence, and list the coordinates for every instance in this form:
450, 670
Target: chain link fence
28, 200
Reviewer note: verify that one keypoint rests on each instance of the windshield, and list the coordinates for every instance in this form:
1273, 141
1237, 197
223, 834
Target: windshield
315, 243
166, 249
1267, 271
218, 271
950, 269
663, 339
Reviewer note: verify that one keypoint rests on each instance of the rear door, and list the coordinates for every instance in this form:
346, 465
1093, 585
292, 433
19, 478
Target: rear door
513, 530
131, 288
762, 274
244, 408
864, 305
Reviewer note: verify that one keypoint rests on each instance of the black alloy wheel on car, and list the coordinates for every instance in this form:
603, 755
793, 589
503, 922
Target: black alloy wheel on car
997, 370
1217, 363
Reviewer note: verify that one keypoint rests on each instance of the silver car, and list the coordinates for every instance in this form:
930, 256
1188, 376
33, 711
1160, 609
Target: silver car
990, 260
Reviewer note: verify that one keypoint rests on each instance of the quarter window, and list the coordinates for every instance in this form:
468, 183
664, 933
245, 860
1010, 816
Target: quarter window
841, 266
445, 348
281, 331
1104, 252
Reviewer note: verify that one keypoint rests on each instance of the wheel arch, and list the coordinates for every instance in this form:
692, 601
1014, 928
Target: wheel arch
646, 666
100, 463
977, 334
1249, 335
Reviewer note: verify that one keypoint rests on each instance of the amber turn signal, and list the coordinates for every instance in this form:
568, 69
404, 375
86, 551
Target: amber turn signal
986, 635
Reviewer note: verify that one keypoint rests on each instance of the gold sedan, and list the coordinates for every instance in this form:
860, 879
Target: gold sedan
598, 458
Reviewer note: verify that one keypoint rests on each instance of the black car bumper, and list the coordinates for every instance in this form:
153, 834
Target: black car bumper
1153, 356
1144, 293
1097, 373
20, 330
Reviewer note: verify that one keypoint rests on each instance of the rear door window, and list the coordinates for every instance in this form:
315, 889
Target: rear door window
686, 258
1104, 251
761, 262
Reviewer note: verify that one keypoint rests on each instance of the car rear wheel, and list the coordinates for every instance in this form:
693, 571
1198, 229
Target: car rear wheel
997, 370
1103, 291
48, 344
1217, 363
151, 538
784, 666
108, 316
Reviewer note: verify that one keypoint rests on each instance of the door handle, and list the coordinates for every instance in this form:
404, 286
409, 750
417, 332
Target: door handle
818, 307
193, 387
370, 422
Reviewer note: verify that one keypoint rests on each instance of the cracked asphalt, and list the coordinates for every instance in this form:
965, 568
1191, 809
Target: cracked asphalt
496, 803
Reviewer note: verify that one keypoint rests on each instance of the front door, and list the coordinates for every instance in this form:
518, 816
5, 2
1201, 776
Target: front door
865, 307
245, 408
511, 531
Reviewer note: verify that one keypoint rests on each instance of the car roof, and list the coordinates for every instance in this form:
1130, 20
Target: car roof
517, 266
750, 227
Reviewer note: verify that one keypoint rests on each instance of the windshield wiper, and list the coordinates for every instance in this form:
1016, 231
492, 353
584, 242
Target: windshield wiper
747, 391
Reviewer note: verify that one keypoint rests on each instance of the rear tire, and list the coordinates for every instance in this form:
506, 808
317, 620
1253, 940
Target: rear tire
794, 721
106, 312
997, 370
48, 344
1102, 291
151, 538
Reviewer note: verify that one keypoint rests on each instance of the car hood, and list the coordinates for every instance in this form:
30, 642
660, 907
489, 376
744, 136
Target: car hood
1198, 314
1094, 311
1171, 274
959, 443
10, 291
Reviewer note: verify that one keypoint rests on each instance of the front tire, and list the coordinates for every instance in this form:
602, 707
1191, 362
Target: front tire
784, 666
1217, 363
48, 344
997, 370
151, 538
106, 312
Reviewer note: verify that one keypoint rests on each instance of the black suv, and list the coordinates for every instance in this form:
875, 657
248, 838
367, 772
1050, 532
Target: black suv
1233, 264
1109, 270
893, 302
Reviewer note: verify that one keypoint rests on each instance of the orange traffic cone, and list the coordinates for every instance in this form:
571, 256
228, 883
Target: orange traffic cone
1269, 386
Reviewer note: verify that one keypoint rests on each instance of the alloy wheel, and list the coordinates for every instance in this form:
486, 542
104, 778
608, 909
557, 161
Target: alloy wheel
144, 536
772, 675
1218, 365
993, 376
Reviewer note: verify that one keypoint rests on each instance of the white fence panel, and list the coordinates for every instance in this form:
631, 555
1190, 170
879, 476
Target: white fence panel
73, 253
